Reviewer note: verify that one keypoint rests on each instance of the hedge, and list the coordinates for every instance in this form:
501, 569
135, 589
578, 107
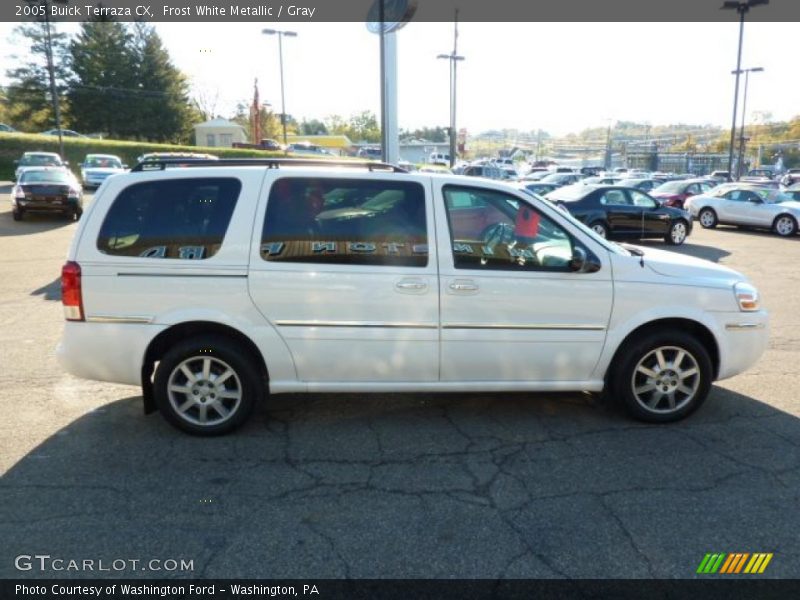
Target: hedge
12, 146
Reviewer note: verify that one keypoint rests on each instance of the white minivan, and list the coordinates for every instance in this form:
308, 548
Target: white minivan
216, 283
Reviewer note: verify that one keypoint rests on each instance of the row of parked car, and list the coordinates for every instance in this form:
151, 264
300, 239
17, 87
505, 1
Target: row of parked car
648, 207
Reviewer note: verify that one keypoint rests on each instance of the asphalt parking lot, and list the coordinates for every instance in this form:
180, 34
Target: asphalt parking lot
397, 485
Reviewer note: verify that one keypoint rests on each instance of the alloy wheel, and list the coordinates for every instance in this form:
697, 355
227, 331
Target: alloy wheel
666, 379
204, 390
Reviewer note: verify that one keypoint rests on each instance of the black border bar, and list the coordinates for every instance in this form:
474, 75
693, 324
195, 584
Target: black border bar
328, 11
727, 588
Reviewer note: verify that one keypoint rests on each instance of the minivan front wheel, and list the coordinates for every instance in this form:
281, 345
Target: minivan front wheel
206, 385
664, 377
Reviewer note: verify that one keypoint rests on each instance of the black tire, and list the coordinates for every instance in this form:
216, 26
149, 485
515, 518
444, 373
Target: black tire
709, 216
77, 212
599, 228
17, 214
630, 381
223, 354
784, 225
677, 233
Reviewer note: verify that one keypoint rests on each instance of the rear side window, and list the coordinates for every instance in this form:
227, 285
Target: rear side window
346, 221
178, 218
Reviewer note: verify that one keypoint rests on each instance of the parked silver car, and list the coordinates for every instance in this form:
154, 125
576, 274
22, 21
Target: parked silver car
749, 205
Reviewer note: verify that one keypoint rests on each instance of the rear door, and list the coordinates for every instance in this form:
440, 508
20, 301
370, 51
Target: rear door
343, 266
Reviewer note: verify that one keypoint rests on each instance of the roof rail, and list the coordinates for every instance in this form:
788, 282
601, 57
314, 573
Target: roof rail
272, 163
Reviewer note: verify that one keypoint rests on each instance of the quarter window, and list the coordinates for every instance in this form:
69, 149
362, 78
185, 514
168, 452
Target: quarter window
493, 230
178, 218
343, 221
614, 198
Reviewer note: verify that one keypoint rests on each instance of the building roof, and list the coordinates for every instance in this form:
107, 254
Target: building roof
219, 123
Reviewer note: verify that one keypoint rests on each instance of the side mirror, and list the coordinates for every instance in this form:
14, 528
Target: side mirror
16, 163
124, 166
583, 263
66, 163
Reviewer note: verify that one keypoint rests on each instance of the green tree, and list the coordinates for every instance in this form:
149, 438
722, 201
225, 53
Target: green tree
164, 111
336, 125
312, 127
363, 127
102, 90
29, 103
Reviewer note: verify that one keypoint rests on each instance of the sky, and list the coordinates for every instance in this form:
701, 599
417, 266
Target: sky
559, 77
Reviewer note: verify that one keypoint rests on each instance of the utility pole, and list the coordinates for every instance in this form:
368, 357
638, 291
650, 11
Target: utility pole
742, 7
453, 58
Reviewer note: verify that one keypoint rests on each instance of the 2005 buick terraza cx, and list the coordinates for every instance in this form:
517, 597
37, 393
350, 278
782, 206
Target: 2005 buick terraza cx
213, 284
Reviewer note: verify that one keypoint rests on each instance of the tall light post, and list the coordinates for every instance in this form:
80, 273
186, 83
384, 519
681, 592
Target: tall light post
742, 7
281, 35
746, 72
454, 58
48, 50
607, 161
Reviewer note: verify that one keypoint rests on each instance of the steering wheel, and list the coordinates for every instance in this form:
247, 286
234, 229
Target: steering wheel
499, 233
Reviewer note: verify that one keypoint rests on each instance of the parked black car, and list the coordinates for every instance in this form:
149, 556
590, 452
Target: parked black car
619, 212
47, 189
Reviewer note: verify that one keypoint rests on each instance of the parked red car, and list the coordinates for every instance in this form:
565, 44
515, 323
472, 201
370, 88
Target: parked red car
674, 193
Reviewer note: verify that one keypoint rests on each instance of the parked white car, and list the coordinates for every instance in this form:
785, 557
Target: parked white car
753, 206
95, 168
213, 286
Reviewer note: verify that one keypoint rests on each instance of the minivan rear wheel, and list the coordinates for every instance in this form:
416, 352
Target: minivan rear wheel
207, 385
662, 377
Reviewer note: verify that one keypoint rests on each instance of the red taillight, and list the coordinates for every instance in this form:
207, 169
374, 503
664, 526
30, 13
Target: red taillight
71, 296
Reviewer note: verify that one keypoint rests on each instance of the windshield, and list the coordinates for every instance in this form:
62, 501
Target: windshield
671, 187
45, 177
102, 162
774, 197
40, 160
556, 177
571, 193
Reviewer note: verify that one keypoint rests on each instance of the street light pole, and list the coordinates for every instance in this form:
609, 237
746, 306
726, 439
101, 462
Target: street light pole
747, 72
280, 35
453, 58
740, 6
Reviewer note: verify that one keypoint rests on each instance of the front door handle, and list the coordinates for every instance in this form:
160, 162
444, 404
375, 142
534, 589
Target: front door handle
464, 286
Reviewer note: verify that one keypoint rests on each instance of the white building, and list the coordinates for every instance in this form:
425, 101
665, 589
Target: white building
219, 133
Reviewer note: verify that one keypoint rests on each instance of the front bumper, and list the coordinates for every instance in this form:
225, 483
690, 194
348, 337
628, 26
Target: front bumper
39, 205
743, 338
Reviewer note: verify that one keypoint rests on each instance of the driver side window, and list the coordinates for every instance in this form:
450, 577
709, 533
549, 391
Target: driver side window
494, 230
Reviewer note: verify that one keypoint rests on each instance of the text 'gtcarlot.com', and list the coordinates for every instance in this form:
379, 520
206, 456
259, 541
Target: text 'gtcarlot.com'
45, 562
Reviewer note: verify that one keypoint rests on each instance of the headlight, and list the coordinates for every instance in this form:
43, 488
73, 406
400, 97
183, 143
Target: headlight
19, 193
747, 297
73, 194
